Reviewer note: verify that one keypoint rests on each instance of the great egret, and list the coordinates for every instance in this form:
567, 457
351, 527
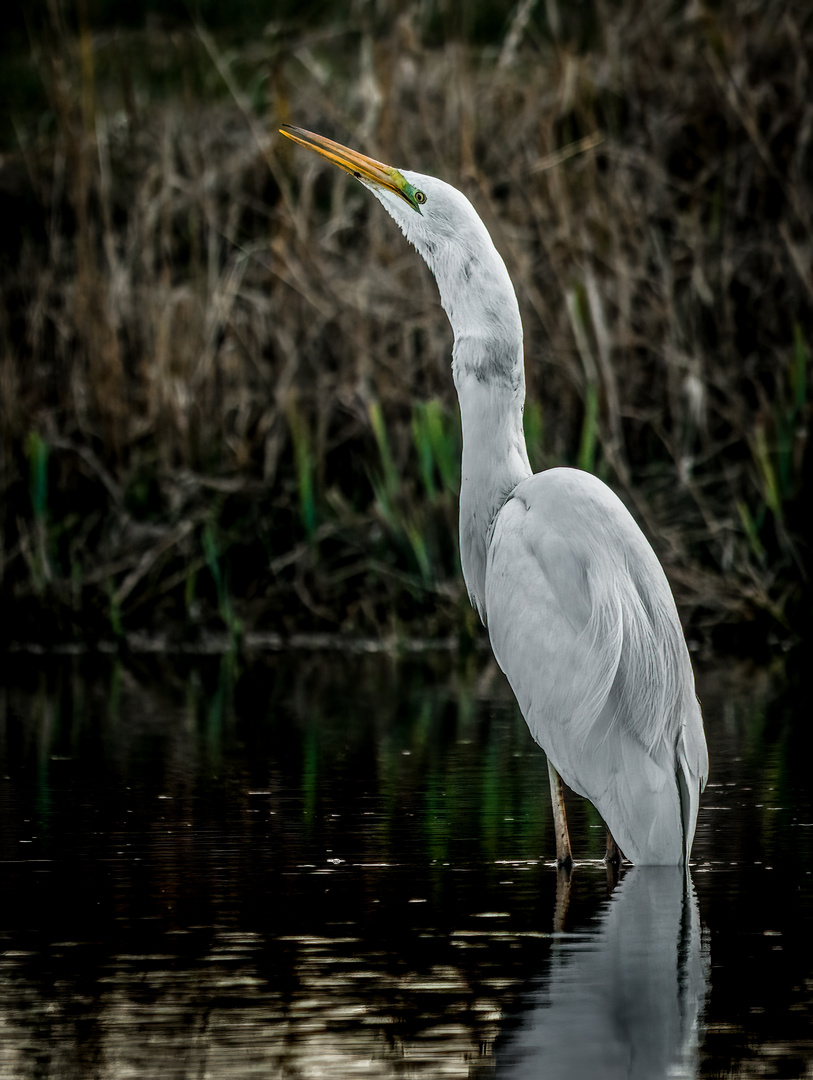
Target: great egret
578, 609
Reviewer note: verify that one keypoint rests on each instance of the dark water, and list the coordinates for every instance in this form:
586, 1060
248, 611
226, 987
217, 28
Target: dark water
318, 867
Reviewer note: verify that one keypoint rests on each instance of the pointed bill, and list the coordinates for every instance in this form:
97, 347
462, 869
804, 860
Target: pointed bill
365, 169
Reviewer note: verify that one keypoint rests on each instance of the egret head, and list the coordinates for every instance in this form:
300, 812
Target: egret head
475, 289
430, 212
438, 220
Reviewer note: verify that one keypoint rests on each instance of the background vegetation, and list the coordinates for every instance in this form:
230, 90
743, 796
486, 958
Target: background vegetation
225, 400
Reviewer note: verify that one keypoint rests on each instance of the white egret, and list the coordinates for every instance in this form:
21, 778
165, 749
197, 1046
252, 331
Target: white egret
578, 609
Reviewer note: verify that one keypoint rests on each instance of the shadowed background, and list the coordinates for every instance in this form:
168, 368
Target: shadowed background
227, 410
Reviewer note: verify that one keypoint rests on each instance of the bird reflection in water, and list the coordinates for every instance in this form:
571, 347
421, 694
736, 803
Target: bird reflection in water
624, 999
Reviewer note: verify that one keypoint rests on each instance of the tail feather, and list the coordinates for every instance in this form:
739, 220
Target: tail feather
689, 787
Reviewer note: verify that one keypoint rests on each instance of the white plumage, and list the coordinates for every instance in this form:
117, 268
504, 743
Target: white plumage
578, 609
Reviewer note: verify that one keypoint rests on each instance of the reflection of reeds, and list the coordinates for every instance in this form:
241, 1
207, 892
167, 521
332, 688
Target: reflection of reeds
194, 308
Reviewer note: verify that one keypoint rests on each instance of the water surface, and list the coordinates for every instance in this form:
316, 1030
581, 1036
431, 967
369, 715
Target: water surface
314, 867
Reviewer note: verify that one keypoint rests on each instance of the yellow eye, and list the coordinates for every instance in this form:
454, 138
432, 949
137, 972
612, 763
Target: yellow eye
420, 197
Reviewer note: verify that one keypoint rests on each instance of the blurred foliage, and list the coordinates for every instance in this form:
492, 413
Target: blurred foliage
226, 405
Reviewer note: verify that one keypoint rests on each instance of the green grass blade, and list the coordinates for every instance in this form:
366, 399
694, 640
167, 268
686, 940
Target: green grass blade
38, 453
389, 473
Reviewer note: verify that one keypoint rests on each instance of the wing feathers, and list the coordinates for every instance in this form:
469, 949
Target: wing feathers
583, 623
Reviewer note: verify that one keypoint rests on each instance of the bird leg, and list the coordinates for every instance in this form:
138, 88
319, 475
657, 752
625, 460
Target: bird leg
557, 798
563, 875
613, 854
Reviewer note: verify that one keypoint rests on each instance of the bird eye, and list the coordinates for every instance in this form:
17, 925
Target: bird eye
420, 197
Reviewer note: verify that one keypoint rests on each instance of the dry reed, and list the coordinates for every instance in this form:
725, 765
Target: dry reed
214, 350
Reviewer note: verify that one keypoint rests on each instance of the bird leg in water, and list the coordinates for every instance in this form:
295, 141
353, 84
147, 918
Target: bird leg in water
562, 898
613, 855
557, 798
612, 861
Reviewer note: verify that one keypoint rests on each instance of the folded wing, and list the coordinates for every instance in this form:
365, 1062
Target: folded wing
583, 623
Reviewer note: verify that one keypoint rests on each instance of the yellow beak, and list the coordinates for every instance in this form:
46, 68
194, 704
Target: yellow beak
364, 168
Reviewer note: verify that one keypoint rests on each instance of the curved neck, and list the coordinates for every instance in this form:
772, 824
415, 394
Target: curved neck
489, 373
495, 458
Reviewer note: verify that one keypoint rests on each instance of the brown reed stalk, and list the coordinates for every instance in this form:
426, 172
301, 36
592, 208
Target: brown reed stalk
644, 172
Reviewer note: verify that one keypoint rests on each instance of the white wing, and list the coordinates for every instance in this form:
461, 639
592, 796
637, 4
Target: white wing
583, 623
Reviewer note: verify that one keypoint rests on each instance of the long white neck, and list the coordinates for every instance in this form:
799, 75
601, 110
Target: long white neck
489, 374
